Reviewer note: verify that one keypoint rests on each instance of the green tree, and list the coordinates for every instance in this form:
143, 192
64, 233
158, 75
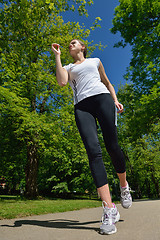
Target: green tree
139, 143
31, 101
139, 25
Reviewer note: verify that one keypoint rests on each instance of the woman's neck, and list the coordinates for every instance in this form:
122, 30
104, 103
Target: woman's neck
79, 58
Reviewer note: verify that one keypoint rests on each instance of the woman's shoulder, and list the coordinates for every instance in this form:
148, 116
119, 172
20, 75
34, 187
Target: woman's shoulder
68, 66
95, 60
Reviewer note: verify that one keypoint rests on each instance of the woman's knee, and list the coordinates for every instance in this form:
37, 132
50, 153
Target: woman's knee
94, 152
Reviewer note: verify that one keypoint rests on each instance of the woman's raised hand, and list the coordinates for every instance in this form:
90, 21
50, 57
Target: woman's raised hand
56, 49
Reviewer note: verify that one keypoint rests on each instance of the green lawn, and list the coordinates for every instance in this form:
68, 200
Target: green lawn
12, 207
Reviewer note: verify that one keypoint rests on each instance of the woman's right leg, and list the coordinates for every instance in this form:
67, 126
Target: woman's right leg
105, 195
87, 126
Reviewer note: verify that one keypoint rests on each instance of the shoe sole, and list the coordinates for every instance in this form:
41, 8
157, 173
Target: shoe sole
102, 232
126, 207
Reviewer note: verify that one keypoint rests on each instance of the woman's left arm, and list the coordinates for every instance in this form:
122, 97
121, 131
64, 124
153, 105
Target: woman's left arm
109, 86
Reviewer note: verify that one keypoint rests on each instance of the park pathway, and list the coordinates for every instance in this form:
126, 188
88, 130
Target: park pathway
140, 222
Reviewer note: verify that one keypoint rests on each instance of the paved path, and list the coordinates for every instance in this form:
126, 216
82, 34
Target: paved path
140, 222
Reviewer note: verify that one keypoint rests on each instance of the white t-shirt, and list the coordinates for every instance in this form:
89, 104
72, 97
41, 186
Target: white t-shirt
84, 79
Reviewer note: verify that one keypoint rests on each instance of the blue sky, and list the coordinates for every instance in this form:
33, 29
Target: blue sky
115, 60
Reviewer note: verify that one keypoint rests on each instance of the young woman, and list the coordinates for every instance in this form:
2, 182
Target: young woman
95, 99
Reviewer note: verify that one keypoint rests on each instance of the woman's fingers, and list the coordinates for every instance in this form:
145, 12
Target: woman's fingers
55, 45
120, 107
55, 48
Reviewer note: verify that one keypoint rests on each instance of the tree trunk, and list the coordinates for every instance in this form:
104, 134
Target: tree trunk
155, 182
31, 171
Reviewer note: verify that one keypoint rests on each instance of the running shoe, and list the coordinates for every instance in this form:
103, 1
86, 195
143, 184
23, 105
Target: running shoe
109, 217
126, 198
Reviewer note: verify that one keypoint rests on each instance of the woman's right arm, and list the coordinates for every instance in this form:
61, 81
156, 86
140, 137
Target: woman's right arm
61, 73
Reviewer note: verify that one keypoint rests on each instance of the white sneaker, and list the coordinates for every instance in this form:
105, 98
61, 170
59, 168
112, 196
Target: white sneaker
126, 198
109, 217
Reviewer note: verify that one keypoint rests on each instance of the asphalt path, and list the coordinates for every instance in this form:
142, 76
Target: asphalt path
140, 222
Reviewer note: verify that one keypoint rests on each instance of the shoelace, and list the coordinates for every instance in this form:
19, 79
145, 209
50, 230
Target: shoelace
106, 218
126, 193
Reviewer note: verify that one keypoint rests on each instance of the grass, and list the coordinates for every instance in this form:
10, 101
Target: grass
15, 207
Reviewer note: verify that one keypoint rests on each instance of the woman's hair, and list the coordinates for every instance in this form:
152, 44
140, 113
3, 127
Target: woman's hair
85, 49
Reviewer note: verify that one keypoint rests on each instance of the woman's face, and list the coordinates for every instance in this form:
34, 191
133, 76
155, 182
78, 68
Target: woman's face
74, 47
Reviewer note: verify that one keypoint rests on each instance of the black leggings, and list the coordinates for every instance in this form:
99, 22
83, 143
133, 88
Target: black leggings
102, 108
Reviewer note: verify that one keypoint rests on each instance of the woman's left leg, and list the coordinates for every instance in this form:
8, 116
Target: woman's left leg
106, 118
122, 179
105, 113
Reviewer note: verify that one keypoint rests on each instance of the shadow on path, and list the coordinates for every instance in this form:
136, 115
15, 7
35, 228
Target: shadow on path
57, 223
